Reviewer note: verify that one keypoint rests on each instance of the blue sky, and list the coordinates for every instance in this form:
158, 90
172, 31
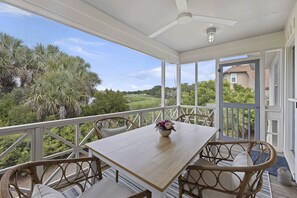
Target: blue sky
120, 68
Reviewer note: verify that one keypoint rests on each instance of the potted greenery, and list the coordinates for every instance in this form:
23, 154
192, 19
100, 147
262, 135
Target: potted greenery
165, 127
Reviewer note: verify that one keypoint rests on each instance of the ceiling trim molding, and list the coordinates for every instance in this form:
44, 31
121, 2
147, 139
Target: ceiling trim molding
98, 24
254, 44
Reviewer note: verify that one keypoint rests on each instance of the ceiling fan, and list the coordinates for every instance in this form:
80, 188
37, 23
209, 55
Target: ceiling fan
184, 17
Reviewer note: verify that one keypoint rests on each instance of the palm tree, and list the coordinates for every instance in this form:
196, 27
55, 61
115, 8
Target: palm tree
43, 57
61, 90
11, 59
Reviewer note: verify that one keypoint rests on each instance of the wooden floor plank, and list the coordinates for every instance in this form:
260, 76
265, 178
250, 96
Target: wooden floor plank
282, 191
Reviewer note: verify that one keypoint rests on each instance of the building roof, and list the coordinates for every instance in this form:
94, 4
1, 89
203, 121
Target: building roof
249, 70
246, 68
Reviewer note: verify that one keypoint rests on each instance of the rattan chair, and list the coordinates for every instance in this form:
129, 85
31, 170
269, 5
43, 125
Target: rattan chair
107, 127
83, 173
228, 169
199, 119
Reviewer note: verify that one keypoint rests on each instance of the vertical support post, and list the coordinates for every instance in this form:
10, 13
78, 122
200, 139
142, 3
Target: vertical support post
196, 92
163, 88
261, 121
37, 144
77, 140
178, 88
163, 83
196, 87
281, 99
141, 119
218, 118
37, 147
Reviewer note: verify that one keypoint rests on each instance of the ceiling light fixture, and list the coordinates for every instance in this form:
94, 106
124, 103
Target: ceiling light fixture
211, 34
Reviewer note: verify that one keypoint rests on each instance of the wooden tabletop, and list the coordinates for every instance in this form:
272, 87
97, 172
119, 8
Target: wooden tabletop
154, 159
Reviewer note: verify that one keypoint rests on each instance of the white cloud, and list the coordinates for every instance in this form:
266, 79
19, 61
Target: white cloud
7, 9
144, 74
80, 46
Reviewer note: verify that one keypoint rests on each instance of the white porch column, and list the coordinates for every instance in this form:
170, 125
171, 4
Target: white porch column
196, 87
217, 110
262, 96
163, 83
178, 81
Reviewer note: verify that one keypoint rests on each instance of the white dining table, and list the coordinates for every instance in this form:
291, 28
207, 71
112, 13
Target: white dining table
149, 159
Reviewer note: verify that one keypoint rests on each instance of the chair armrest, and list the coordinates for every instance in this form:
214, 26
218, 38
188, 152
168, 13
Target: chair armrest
246, 180
80, 172
221, 179
225, 150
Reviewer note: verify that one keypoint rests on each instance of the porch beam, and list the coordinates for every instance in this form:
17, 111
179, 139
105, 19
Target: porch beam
254, 44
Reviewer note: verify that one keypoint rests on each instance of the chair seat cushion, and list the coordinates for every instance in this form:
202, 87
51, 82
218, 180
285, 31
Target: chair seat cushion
242, 159
209, 178
107, 188
106, 132
44, 191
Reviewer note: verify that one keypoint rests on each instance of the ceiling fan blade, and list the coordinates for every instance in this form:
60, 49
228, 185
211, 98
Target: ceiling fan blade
214, 20
181, 5
163, 29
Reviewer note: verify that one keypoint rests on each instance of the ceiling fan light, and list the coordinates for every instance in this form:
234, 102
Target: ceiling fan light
211, 34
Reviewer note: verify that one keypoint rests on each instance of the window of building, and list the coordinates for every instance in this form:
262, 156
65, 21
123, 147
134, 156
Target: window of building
233, 78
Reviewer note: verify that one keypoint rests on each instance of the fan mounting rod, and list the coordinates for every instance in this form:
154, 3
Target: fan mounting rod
184, 18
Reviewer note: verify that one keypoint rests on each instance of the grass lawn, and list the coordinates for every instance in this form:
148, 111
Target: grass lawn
140, 101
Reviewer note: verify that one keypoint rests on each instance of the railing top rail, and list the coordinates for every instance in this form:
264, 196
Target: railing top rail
200, 107
78, 120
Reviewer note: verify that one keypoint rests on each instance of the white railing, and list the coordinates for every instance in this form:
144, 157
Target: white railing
38, 141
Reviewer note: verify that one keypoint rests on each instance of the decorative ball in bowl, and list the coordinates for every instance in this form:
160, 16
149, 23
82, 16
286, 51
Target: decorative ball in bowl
165, 127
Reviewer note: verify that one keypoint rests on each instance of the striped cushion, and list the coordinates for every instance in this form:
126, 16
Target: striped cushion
44, 191
106, 188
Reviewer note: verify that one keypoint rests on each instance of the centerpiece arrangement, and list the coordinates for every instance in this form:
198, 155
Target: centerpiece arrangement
165, 127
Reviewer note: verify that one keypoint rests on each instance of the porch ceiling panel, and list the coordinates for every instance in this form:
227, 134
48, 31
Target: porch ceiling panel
254, 18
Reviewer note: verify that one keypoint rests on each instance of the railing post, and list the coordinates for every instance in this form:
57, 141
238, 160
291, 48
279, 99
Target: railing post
77, 140
178, 111
141, 119
77, 147
37, 147
37, 144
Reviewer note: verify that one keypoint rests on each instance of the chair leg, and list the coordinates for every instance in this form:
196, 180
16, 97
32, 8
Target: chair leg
117, 176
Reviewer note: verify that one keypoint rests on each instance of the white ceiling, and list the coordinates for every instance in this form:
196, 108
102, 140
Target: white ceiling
255, 17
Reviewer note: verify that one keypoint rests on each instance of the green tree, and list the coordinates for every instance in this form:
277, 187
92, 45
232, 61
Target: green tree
14, 58
206, 92
65, 86
13, 111
107, 101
